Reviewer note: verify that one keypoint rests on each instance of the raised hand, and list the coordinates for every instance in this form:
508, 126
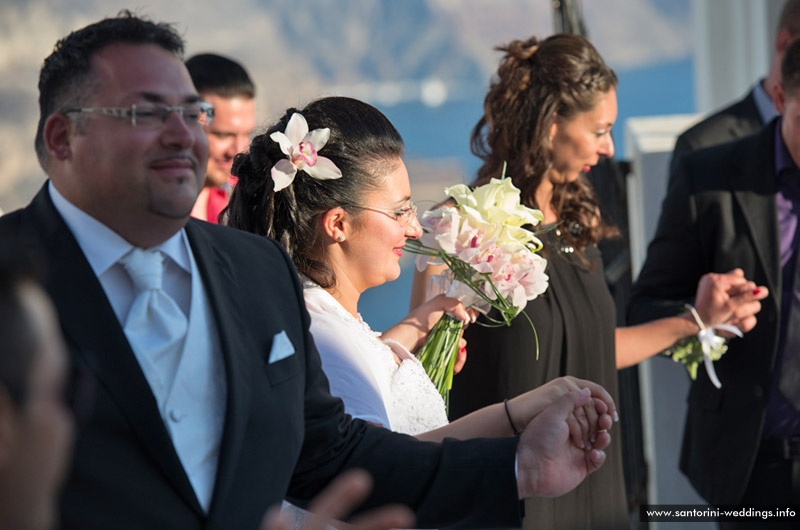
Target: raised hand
336, 501
729, 298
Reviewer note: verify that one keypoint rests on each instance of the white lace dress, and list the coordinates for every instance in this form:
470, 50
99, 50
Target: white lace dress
363, 372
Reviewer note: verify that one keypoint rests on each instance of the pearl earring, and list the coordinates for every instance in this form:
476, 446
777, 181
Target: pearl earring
340, 239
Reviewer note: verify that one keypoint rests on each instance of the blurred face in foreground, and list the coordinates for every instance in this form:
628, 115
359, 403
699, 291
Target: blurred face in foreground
36, 436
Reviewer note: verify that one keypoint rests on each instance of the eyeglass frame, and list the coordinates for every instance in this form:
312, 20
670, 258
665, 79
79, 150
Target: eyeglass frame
130, 112
397, 214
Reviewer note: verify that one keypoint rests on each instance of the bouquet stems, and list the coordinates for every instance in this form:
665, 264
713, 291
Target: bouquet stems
438, 354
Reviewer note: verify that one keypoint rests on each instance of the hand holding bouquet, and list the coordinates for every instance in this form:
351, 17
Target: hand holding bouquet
492, 261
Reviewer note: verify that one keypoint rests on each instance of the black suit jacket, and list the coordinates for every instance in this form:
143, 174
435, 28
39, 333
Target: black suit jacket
719, 214
283, 431
735, 121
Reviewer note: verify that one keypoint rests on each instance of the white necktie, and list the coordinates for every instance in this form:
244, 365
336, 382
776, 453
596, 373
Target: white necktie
156, 326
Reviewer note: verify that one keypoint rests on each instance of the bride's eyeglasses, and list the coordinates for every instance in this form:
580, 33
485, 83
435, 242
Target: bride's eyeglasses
401, 215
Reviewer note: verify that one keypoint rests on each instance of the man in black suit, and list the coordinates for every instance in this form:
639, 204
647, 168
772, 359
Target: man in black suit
749, 114
737, 205
216, 409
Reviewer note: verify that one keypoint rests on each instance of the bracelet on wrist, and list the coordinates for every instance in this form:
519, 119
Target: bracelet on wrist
510, 421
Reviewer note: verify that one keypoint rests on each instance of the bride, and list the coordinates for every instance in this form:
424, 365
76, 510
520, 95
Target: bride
338, 199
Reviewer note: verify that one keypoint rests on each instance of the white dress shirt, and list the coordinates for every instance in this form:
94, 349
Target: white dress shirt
190, 391
764, 104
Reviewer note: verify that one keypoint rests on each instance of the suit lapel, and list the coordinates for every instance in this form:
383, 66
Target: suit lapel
217, 273
754, 189
95, 335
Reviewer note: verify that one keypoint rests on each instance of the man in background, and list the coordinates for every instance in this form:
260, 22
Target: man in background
225, 84
756, 109
36, 426
737, 205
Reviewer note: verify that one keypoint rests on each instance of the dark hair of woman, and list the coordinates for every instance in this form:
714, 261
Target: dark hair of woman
363, 144
562, 75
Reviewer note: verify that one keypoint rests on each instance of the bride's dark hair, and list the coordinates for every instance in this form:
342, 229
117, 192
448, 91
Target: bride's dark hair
363, 144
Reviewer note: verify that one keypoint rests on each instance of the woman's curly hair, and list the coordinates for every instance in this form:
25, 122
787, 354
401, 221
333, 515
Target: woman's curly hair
563, 76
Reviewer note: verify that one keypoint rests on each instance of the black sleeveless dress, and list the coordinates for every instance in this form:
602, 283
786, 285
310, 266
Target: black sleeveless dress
575, 320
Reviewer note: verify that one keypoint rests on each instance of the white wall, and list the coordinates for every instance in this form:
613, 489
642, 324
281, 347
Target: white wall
663, 384
732, 47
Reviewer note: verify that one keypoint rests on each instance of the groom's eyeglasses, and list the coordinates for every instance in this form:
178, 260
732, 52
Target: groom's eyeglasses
197, 114
401, 215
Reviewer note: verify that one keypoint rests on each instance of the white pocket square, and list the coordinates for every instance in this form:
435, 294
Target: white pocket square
281, 347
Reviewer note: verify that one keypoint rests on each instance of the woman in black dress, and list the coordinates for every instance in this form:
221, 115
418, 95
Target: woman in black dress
548, 114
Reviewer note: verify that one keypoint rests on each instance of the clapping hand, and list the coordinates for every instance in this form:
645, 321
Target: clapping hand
549, 464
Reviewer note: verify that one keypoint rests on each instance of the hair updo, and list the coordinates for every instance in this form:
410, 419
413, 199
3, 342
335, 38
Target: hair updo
363, 144
562, 75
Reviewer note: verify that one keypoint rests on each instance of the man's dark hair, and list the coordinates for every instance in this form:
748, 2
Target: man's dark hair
65, 75
215, 74
790, 68
19, 342
789, 18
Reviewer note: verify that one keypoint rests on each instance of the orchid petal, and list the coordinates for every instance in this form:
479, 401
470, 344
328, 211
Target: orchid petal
324, 169
283, 141
296, 129
306, 156
283, 174
318, 137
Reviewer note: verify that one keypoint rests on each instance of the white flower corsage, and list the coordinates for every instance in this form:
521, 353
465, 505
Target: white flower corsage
705, 347
300, 147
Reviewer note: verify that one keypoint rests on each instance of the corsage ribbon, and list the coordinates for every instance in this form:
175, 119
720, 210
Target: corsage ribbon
709, 341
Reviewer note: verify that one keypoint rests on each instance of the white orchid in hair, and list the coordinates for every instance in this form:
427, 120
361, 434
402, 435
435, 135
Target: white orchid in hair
300, 147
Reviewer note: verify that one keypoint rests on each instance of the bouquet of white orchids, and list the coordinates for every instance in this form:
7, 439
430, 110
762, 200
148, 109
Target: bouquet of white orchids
491, 259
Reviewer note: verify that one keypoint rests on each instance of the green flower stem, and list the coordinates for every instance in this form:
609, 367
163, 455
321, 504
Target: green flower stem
438, 354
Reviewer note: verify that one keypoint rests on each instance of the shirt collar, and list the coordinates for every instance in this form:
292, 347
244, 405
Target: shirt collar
102, 246
764, 104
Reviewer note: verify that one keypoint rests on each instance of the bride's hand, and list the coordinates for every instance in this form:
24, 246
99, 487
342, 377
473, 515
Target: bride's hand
429, 313
584, 424
414, 328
